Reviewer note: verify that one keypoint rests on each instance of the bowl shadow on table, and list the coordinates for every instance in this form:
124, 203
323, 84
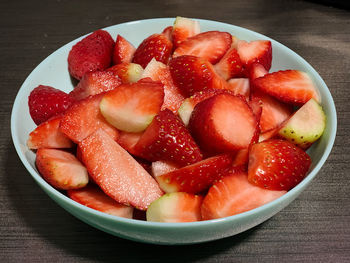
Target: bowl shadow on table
43, 217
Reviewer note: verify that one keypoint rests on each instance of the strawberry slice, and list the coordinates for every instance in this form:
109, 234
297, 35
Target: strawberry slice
84, 118
123, 51
277, 164
175, 208
117, 173
46, 102
259, 51
210, 45
128, 140
93, 197
197, 177
167, 138
183, 29
48, 135
155, 46
92, 53
61, 169
239, 86
290, 86
132, 107
127, 72
163, 167
230, 65
233, 195
94, 83
168, 32
223, 123
256, 70
173, 96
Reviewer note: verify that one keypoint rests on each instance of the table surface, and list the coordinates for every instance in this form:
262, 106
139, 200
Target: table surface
314, 228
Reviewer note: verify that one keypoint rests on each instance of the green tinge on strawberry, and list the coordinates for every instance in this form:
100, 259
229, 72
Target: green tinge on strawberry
290, 86
197, 177
277, 164
305, 126
132, 107
123, 51
175, 208
230, 65
93, 197
61, 169
92, 53
239, 86
83, 118
94, 83
48, 135
156, 46
259, 51
167, 139
184, 28
127, 72
233, 195
117, 173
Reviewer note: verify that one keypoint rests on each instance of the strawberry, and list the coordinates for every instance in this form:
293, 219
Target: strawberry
277, 164
167, 139
128, 140
192, 74
268, 135
48, 135
131, 107
123, 51
173, 96
210, 45
256, 70
230, 65
156, 46
93, 197
167, 32
239, 86
94, 83
94, 52
197, 177
127, 72
61, 169
83, 118
223, 123
184, 28
118, 174
290, 86
259, 51
46, 102
232, 195
163, 167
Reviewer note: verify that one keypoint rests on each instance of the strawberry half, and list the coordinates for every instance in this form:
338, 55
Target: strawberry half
259, 51
46, 102
155, 46
92, 53
127, 72
277, 164
210, 45
166, 138
123, 51
230, 65
197, 177
184, 28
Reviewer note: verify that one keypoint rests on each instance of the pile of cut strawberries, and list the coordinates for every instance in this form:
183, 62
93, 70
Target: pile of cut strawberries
188, 126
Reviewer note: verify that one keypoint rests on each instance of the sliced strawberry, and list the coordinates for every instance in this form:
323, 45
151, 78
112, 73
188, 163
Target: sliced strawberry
127, 72
184, 28
123, 51
168, 32
61, 169
233, 195
93, 197
259, 51
94, 83
175, 208
84, 118
230, 65
210, 45
118, 174
256, 70
241, 159
155, 46
290, 86
222, 123
46, 102
277, 164
128, 140
239, 86
163, 167
173, 96
48, 135
197, 177
166, 138
92, 53
268, 135
132, 107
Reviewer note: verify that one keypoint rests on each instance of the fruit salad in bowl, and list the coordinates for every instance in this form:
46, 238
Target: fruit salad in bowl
173, 131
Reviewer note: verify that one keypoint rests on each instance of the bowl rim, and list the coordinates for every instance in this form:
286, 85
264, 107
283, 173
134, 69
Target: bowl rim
45, 186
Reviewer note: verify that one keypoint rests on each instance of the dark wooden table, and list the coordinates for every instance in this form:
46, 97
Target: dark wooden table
314, 228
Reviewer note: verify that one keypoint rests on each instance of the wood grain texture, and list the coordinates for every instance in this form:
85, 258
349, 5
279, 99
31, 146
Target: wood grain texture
314, 228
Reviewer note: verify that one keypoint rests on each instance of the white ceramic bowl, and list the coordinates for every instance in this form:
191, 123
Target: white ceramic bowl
53, 71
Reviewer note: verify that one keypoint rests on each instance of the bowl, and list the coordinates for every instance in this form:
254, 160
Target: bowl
53, 71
